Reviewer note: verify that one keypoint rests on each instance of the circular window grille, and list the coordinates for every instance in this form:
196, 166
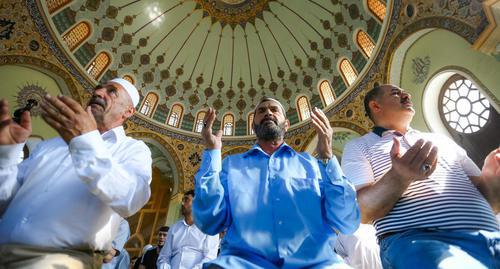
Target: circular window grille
464, 108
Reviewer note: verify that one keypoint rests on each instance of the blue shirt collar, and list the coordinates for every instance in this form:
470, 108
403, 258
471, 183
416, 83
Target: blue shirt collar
256, 148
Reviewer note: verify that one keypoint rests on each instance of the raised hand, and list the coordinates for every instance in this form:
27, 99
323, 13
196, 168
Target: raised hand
491, 166
10, 131
211, 141
419, 162
67, 117
325, 133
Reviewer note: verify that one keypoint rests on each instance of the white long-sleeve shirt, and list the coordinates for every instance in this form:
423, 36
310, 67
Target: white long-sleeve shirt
187, 247
72, 196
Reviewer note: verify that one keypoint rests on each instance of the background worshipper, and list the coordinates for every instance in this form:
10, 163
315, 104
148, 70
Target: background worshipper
137, 261
359, 250
430, 210
72, 190
186, 246
117, 257
150, 257
280, 207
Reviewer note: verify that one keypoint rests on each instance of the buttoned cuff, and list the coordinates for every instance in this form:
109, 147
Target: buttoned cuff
211, 160
87, 141
334, 171
86, 147
10, 154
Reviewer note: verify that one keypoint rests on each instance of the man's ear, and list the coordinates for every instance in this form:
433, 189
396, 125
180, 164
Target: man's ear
287, 124
129, 112
374, 106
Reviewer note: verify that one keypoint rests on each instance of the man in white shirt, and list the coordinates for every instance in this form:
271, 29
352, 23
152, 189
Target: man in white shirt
73, 190
186, 246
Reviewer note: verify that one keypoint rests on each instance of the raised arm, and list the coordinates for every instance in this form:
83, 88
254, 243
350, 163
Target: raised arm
12, 139
210, 205
488, 183
377, 198
341, 207
122, 182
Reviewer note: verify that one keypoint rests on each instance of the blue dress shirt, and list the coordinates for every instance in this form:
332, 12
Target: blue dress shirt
280, 211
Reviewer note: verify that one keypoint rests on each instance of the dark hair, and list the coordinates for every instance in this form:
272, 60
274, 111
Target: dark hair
164, 229
370, 96
190, 192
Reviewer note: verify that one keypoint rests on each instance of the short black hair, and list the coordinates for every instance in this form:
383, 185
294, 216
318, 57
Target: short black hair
164, 229
190, 192
371, 95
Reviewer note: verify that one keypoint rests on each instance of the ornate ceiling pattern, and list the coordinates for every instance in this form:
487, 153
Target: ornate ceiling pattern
221, 53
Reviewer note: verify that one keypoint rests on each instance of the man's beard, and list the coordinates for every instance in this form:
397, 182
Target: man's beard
269, 130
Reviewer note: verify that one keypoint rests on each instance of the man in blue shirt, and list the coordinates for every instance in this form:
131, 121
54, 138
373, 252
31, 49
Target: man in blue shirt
280, 208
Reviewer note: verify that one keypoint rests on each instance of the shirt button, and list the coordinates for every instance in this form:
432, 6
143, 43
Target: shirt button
24, 220
277, 199
280, 222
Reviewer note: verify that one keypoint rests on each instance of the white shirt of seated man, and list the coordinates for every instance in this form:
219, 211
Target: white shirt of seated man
186, 246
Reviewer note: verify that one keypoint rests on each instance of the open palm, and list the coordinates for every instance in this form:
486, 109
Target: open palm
10, 131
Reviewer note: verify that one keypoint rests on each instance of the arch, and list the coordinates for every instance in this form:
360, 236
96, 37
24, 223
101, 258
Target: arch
326, 92
63, 79
250, 117
365, 43
149, 104
55, 5
198, 124
377, 8
228, 124
100, 63
175, 116
75, 36
348, 72
303, 108
129, 78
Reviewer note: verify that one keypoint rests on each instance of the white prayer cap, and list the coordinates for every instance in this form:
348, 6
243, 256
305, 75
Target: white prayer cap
130, 88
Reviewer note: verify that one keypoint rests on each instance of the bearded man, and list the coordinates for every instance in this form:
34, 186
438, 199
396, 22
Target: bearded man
280, 208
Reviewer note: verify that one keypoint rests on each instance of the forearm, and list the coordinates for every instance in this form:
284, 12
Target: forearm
9, 184
341, 207
489, 189
210, 210
378, 198
123, 184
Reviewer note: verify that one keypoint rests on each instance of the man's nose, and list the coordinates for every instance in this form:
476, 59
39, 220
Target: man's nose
405, 95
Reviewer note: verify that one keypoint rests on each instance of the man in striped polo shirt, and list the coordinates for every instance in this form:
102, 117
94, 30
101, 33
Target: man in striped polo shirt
430, 210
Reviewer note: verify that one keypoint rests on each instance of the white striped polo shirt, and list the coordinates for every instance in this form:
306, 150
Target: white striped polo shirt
445, 200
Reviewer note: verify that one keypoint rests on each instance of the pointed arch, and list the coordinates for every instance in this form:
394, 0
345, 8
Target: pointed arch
97, 67
377, 9
77, 35
176, 112
55, 5
228, 124
303, 108
348, 72
326, 92
149, 104
129, 78
365, 43
198, 124
250, 130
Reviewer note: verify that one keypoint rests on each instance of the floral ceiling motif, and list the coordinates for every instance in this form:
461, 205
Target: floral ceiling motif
221, 53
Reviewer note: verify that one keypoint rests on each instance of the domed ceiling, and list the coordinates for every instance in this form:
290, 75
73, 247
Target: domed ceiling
221, 53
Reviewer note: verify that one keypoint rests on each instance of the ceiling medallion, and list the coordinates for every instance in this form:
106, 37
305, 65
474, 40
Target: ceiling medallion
34, 92
233, 12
